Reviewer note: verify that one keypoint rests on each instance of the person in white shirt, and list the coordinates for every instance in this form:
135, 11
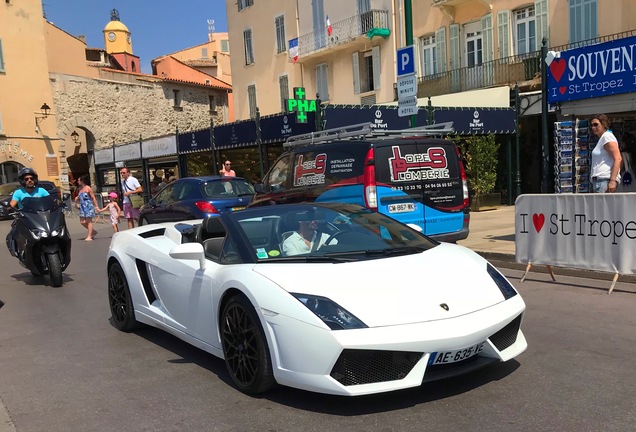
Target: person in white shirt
306, 239
606, 156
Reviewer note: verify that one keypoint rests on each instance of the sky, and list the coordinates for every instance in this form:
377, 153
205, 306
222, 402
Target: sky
158, 27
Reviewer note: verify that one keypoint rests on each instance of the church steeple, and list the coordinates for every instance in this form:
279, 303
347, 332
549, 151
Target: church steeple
117, 37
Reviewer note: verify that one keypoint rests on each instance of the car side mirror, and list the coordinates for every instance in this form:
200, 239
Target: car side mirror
259, 188
189, 251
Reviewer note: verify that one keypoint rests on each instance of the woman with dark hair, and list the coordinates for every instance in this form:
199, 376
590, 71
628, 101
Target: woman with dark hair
606, 156
87, 205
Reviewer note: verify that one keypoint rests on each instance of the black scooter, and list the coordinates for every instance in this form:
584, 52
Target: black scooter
40, 239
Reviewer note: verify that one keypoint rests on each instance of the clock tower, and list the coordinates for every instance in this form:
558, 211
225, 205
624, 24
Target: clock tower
118, 43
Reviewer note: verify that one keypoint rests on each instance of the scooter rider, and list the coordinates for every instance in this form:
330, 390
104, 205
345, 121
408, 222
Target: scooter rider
29, 181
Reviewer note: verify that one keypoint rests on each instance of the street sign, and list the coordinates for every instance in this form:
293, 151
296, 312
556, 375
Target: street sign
406, 86
405, 111
409, 101
406, 60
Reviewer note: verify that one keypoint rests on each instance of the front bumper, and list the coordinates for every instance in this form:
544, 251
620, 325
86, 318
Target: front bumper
374, 360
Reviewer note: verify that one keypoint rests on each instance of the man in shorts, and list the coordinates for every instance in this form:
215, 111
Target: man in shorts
129, 186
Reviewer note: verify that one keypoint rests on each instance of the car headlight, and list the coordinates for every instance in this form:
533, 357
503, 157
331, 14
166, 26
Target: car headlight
502, 283
335, 316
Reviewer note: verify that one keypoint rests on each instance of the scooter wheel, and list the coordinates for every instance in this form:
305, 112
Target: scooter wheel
55, 270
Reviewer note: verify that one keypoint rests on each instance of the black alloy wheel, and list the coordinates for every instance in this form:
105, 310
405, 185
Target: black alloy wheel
245, 347
119, 299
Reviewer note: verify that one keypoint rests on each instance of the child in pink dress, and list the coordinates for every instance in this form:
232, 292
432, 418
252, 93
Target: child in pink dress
114, 210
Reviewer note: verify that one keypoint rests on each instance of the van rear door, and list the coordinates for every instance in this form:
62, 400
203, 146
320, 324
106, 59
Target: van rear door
419, 182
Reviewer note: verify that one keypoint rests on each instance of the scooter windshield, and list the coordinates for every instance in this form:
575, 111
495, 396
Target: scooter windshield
39, 204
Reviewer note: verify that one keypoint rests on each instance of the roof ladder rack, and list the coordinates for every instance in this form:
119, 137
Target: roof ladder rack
365, 130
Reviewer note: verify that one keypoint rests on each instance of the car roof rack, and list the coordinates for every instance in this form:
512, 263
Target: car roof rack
365, 130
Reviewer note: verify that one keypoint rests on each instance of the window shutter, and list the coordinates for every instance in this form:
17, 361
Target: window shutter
486, 31
541, 19
503, 33
355, 61
454, 47
440, 42
322, 82
375, 53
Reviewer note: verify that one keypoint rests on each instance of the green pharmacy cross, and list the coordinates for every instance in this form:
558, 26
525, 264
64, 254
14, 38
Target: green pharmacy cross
301, 105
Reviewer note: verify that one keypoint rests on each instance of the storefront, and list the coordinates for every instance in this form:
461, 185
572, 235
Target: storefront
17, 153
595, 79
160, 163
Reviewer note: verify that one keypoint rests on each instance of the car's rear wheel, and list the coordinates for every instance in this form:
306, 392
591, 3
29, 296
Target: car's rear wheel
143, 221
245, 347
119, 299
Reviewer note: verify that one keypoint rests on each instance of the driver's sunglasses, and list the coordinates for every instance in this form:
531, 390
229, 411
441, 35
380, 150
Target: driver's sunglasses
28, 178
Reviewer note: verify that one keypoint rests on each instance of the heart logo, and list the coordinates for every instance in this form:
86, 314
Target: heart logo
562, 89
538, 220
557, 67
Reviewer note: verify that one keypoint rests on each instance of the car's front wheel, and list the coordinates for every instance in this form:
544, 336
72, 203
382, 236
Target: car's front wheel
245, 347
119, 299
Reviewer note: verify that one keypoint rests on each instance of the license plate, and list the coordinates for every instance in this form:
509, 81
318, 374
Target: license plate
447, 357
238, 208
401, 208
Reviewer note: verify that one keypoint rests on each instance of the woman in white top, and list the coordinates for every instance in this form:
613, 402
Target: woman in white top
606, 156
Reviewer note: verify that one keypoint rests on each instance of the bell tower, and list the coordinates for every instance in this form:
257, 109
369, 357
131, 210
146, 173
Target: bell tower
118, 43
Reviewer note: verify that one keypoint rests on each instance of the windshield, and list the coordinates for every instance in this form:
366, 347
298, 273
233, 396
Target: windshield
327, 232
39, 204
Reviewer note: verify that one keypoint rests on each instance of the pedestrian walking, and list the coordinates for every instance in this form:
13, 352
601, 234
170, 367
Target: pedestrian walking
227, 170
114, 210
87, 205
129, 186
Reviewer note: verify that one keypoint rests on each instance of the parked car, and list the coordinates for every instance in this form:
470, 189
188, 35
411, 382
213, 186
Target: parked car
375, 307
408, 175
7, 189
196, 198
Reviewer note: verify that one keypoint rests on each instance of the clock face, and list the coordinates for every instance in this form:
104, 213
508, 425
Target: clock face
112, 36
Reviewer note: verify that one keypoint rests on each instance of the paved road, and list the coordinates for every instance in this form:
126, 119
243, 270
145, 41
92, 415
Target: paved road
65, 368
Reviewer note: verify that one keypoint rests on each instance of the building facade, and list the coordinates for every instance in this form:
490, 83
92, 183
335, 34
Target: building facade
96, 100
468, 53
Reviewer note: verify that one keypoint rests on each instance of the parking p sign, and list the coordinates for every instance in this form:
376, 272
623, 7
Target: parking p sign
406, 60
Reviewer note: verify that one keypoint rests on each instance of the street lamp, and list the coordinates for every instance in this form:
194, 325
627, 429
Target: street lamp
45, 111
75, 137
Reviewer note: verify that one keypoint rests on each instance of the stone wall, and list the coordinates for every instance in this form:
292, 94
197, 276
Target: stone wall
121, 110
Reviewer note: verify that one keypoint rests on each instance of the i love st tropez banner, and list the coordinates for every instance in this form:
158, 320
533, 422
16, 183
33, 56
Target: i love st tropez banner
587, 231
592, 71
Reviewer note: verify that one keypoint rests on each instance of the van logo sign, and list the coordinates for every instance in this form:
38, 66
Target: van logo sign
431, 165
310, 172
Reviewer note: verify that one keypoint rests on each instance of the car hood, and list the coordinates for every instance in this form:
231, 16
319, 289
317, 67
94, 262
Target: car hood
397, 290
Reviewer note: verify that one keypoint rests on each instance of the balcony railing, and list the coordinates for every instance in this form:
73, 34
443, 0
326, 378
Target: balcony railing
506, 71
343, 32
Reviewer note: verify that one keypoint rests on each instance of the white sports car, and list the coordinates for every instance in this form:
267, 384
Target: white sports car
360, 304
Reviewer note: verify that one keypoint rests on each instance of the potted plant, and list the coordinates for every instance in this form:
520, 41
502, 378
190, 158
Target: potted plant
480, 155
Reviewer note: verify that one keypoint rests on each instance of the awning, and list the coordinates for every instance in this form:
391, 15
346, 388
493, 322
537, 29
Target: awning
195, 141
495, 97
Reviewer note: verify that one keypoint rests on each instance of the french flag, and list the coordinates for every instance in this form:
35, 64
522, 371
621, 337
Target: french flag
329, 28
293, 49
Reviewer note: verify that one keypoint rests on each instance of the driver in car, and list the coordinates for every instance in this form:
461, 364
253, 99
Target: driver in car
306, 239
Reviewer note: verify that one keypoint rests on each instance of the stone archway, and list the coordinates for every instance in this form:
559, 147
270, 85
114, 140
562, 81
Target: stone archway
76, 158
